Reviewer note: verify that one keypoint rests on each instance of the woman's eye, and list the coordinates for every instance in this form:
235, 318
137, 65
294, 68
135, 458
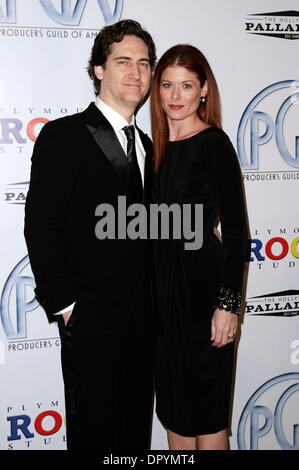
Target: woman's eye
187, 85
166, 85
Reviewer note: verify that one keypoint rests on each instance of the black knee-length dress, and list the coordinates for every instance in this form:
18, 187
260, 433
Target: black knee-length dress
193, 378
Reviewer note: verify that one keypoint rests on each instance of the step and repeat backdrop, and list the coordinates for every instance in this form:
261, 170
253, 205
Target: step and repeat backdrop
253, 48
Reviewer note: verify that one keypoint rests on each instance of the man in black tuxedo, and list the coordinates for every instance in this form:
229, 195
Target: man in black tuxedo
101, 288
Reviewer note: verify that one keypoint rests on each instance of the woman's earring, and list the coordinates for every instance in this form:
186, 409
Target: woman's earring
202, 99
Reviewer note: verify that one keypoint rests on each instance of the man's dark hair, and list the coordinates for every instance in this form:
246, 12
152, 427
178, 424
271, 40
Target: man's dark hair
115, 33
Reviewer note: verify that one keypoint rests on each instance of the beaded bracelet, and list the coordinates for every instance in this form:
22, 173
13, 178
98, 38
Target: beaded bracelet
229, 300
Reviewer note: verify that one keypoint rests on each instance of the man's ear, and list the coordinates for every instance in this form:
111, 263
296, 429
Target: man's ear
98, 70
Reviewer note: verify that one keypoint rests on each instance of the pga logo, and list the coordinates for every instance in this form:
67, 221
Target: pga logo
16, 301
270, 121
69, 13
271, 415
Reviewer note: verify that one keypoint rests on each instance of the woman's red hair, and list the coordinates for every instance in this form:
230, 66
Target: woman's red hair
191, 58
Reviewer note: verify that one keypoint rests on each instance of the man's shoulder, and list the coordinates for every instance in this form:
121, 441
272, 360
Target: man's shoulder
66, 121
63, 127
67, 133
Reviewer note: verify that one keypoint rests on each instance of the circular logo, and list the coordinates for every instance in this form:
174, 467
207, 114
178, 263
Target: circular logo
269, 415
14, 300
270, 118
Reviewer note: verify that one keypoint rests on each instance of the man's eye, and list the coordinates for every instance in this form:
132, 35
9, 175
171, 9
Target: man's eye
144, 64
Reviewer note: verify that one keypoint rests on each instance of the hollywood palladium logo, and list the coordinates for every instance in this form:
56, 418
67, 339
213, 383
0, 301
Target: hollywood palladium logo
275, 304
16, 193
280, 24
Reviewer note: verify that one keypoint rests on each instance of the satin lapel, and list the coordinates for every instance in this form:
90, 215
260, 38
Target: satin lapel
105, 137
148, 166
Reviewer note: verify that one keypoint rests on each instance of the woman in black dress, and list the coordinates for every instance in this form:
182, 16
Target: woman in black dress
198, 291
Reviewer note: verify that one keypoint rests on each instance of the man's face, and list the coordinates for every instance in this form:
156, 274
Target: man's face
126, 76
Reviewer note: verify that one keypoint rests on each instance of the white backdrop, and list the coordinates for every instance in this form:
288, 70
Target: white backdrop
252, 47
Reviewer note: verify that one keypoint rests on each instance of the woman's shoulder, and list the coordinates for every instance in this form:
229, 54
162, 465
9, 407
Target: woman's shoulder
215, 133
220, 151
211, 137
218, 140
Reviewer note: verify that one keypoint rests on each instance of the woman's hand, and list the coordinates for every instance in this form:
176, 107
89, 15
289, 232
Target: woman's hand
66, 316
217, 233
224, 327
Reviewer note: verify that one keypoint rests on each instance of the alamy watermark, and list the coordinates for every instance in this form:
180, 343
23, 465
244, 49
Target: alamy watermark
114, 224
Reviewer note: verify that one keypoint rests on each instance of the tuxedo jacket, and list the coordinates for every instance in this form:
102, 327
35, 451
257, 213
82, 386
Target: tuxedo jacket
77, 164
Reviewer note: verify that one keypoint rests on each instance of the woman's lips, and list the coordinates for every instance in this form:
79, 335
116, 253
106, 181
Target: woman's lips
176, 107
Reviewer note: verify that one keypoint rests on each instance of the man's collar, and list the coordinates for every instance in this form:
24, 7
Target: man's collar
116, 120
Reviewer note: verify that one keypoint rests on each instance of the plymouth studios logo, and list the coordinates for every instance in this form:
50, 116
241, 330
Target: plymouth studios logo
64, 12
268, 130
277, 24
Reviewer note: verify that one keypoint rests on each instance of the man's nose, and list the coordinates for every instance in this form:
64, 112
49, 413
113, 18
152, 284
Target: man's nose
135, 71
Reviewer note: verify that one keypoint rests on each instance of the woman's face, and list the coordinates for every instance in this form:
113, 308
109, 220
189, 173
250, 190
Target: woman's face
180, 92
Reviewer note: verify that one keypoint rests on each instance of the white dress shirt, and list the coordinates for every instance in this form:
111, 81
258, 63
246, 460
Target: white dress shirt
118, 122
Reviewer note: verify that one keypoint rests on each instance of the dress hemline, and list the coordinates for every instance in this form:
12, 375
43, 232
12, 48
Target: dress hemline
191, 434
